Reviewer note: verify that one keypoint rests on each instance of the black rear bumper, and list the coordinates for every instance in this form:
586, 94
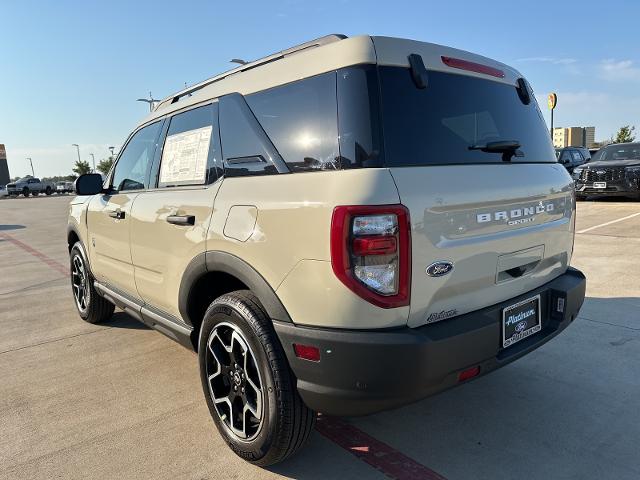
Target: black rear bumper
363, 372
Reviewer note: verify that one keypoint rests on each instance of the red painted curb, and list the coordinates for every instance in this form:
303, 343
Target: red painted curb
379, 455
57, 266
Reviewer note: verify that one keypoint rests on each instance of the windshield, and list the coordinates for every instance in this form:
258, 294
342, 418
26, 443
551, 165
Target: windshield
618, 152
437, 125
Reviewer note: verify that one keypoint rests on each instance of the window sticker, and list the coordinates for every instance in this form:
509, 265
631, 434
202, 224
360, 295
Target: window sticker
184, 158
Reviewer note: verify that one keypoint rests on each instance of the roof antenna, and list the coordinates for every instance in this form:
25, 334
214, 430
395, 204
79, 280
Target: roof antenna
238, 61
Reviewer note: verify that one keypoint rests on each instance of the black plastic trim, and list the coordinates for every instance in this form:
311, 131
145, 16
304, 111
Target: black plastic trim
217, 261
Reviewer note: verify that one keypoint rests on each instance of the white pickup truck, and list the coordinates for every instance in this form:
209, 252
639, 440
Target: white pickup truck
30, 185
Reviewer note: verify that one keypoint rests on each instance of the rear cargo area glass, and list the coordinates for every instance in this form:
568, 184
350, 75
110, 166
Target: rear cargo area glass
437, 125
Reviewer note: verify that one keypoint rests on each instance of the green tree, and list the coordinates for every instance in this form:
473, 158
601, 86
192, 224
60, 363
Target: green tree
625, 135
105, 165
81, 167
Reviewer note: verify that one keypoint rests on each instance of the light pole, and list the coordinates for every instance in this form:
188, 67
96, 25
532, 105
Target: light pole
151, 101
112, 149
94, 162
78, 148
33, 174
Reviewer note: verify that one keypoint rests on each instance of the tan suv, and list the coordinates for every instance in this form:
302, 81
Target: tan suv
343, 227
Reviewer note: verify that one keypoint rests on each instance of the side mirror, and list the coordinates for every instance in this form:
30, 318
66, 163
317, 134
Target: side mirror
88, 184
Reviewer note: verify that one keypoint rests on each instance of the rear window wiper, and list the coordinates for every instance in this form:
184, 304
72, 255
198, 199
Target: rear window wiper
508, 148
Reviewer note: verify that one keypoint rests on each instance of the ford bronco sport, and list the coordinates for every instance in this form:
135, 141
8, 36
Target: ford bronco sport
343, 227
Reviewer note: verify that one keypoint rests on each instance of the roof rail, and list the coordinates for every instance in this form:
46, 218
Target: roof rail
336, 37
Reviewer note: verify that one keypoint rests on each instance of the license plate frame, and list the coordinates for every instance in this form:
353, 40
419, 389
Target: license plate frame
599, 184
514, 328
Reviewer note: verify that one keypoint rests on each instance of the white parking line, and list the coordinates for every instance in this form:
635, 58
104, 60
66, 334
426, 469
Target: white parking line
608, 223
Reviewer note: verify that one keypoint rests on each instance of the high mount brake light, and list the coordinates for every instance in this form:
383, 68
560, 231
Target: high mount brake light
472, 66
371, 252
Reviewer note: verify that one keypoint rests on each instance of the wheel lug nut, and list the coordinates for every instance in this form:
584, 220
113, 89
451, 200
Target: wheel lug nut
242, 389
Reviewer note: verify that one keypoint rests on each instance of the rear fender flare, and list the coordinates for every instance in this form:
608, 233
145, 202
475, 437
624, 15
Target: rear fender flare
217, 261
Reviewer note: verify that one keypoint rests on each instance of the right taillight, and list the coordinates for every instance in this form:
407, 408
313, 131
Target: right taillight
371, 252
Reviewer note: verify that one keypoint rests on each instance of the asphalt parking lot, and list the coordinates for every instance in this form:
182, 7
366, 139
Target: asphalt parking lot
123, 401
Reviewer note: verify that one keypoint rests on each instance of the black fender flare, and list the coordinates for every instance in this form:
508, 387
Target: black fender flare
217, 261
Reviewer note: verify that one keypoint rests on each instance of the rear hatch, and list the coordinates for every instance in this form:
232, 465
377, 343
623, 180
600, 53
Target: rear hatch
492, 220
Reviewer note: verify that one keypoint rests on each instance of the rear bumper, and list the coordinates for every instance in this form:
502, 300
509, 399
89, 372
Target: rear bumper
364, 372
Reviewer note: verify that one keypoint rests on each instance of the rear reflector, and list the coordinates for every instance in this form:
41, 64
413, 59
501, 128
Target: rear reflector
374, 245
307, 352
468, 373
472, 66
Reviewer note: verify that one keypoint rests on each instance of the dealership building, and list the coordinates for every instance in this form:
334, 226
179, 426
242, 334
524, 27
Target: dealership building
574, 137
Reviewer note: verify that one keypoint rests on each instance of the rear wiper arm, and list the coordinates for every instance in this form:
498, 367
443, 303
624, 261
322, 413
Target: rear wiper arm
508, 148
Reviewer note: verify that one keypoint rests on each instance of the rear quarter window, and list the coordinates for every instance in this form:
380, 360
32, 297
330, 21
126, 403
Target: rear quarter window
300, 118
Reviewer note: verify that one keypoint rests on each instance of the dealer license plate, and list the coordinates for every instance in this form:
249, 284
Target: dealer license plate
599, 184
520, 321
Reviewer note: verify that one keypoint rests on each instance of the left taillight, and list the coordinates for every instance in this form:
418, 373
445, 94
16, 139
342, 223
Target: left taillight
371, 252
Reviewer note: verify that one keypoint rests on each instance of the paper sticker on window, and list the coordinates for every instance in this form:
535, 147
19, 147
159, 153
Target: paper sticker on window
184, 158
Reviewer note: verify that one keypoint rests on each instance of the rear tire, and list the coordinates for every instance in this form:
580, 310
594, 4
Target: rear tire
91, 307
275, 422
25, 191
48, 191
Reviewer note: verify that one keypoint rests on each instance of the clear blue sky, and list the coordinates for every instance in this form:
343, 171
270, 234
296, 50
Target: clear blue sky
71, 71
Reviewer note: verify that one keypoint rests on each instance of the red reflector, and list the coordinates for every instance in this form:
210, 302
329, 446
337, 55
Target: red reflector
375, 245
307, 352
472, 66
468, 373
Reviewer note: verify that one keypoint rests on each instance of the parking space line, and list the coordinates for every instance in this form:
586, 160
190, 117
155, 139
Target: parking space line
608, 223
379, 455
57, 266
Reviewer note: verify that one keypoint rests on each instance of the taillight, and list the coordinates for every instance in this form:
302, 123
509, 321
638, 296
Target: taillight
371, 252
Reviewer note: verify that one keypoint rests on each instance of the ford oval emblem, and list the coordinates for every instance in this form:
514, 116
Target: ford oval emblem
438, 269
521, 326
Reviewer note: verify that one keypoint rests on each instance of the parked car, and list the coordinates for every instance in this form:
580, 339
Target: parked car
30, 186
257, 219
64, 187
613, 171
572, 157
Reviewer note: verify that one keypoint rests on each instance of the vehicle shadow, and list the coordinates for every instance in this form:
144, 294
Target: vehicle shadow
542, 404
123, 320
11, 227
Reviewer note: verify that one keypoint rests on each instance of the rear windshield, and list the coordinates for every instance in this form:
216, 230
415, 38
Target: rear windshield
437, 125
619, 152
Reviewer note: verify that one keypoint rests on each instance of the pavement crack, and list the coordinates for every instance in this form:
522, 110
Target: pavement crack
53, 340
28, 287
609, 323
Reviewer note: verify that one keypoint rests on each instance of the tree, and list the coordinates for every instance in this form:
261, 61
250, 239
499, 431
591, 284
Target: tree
105, 165
625, 135
81, 167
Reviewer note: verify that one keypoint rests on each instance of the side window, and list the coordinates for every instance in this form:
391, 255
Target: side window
134, 162
301, 119
246, 149
565, 157
189, 150
577, 157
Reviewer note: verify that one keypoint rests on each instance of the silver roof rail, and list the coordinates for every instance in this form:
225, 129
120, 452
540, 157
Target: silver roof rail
336, 37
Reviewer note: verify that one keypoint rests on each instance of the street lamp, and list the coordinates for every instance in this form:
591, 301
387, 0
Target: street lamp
33, 174
112, 149
94, 162
78, 148
151, 101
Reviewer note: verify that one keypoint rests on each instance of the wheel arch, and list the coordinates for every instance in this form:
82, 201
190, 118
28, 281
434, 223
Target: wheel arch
214, 273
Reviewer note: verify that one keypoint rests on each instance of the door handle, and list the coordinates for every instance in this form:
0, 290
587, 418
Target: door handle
119, 214
182, 219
